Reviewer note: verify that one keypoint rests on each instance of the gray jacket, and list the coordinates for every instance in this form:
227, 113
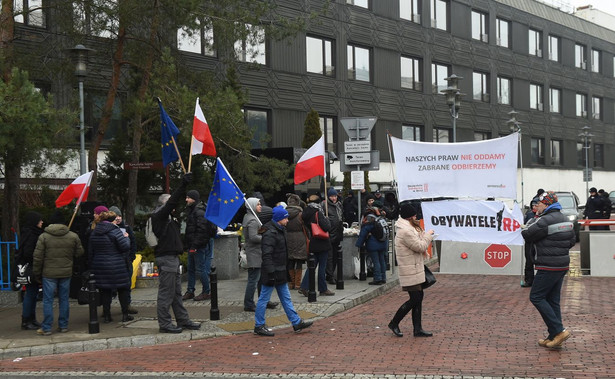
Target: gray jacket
252, 245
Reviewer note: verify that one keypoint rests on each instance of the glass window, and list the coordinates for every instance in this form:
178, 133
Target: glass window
252, 48
536, 97
411, 73
258, 122
555, 100
535, 42
481, 136
440, 135
595, 60
554, 48
94, 103
598, 155
412, 132
581, 105
502, 32
359, 3
90, 19
439, 14
327, 127
319, 56
580, 154
580, 58
596, 108
480, 30
439, 73
538, 150
410, 10
556, 152
199, 41
29, 12
503, 90
359, 63
480, 86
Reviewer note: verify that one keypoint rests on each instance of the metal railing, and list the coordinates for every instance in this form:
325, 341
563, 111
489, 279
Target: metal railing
6, 253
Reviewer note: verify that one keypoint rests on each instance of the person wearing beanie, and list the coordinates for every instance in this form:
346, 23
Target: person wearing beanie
30, 231
593, 207
273, 269
551, 236
333, 208
411, 244
100, 209
376, 249
200, 234
132, 255
296, 238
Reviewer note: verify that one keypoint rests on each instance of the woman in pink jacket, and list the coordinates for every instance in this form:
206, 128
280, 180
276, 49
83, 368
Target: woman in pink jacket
411, 243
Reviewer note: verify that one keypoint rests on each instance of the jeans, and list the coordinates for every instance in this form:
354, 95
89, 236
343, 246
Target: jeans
49, 287
545, 295
287, 304
321, 263
199, 264
380, 265
254, 275
29, 302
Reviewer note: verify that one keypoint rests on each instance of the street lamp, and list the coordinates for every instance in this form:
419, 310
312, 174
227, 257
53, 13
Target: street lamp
80, 55
587, 139
515, 126
453, 99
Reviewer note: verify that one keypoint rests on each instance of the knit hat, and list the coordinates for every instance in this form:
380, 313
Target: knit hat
294, 199
407, 211
57, 218
331, 192
252, 202
282, 204
592, 190
116, 210
279, 214
314, 199
100, 209
193, 194
548, 198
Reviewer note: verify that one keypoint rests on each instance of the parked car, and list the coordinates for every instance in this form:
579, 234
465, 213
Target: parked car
571, 208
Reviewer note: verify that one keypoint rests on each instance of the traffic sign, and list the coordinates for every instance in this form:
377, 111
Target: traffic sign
358, 128
357, 180
357, 146
357, 158
587, 175
497, 255
373, 165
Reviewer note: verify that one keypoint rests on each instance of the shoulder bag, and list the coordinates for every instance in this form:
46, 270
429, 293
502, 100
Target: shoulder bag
317, 231
430, 279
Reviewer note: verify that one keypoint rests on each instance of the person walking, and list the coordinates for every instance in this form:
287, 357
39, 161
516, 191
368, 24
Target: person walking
55, 252
273, 268
109, 257
30, 231
296, 236
375, 248
252, 248
551, 236
169, 247
132, 255
411, 244
336, 233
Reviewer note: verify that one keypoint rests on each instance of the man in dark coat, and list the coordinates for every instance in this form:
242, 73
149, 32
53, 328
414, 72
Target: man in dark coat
606, 207
593, 207
351, 207
31, 230
551, 237
336, 234
274, 275
167, 230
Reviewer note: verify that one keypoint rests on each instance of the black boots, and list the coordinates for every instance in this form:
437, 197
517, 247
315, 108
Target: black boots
416, 322
126, 317
29, 324
395, 328
414, 305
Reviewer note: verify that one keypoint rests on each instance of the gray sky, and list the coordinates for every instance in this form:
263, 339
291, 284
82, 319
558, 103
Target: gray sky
607, 6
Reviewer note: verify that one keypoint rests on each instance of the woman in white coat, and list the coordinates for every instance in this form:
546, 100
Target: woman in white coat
411, 243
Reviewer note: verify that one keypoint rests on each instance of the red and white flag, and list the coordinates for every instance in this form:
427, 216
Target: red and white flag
202, 142
312, 163
78, 189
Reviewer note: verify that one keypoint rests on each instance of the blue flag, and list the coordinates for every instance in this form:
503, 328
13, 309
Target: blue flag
168, 132
225, 198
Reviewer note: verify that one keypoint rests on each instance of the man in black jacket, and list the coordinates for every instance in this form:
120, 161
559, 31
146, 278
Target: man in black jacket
336, 234
551, 235
166, 228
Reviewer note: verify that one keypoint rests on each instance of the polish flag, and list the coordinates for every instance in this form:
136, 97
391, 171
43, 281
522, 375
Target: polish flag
312, 163
78, 189
202, 142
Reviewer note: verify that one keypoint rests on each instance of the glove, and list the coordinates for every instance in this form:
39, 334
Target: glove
187, 177
270, 280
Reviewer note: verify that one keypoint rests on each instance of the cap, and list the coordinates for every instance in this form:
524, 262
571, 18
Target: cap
279, 213
407, 211
548, 198
593, 189
100, 209
116, 210
193, 194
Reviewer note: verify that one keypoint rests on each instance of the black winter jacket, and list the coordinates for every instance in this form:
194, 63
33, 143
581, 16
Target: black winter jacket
309, 216
336, 218
197, 228
166, 228
273, 246
109, 256
552, 236
29, 235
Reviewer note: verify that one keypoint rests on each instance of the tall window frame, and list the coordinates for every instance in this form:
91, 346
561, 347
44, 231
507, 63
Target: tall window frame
439, 73
440, 11
480, 26
536, 97
411, 10
257, 120
502, 33
198, 41
481, 136
29, 12
411, 73
555, 100
596, 108
556, 152
504, 90
554, 48
480, 86
320, 58
581, 105
580, 56
441, 135
252, 48
598, 155
359, 55
595, 61
580, 154
535, 42
327, 127
537, 150
410, 132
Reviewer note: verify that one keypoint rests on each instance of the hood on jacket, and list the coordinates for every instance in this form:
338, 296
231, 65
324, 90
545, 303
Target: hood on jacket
293, 211
104, 228
32, 219
57, 230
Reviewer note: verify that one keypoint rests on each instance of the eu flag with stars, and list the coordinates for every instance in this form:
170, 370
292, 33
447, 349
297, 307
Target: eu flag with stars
168, 132
225, 198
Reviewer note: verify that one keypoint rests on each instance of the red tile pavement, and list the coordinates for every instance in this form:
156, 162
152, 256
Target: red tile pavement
483, 326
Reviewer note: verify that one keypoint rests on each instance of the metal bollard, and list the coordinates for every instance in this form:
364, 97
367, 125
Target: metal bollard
312, 277
340, 268
214, 312
363, 273
93, 296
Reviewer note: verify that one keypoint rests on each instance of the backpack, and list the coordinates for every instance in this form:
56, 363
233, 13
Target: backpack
212, 229
381, 229
150, 236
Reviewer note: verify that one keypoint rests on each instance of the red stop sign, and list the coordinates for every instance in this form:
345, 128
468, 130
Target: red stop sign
498, 256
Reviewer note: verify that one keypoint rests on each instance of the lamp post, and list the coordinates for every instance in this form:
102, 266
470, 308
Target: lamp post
453, 99
587, 139
80, 55
515, 126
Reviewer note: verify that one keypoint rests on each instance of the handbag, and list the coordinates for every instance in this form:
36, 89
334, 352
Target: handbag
317, 231
24, 274
430, 279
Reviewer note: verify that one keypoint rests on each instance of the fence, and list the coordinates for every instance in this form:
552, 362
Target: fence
6, 253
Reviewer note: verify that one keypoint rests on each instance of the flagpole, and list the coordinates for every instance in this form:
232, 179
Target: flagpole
252, 210
177, 151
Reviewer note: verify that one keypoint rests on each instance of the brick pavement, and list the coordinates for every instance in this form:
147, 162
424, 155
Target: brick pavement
484, 326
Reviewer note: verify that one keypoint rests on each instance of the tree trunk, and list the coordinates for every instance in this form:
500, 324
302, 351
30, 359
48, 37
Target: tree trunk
10, 206
7, 35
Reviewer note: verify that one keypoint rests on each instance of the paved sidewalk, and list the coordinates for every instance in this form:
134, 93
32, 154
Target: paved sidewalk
143, 331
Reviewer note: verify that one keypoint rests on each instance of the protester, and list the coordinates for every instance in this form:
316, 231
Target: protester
30, 231
265, 215
109, 257
593, 207
351, 207
529, 218
375, 248
411, 244
606, 207
336, 234
169, 247
296, 236
252, 245
273, 268
132, 255
378, 199
55, 252
551, 236
391, 206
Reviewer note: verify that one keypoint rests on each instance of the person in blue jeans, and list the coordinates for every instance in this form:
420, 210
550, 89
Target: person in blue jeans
274, 274
55, 251
375, 248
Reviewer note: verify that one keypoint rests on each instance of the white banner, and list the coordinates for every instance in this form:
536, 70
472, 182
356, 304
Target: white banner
481, 169
474, 221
